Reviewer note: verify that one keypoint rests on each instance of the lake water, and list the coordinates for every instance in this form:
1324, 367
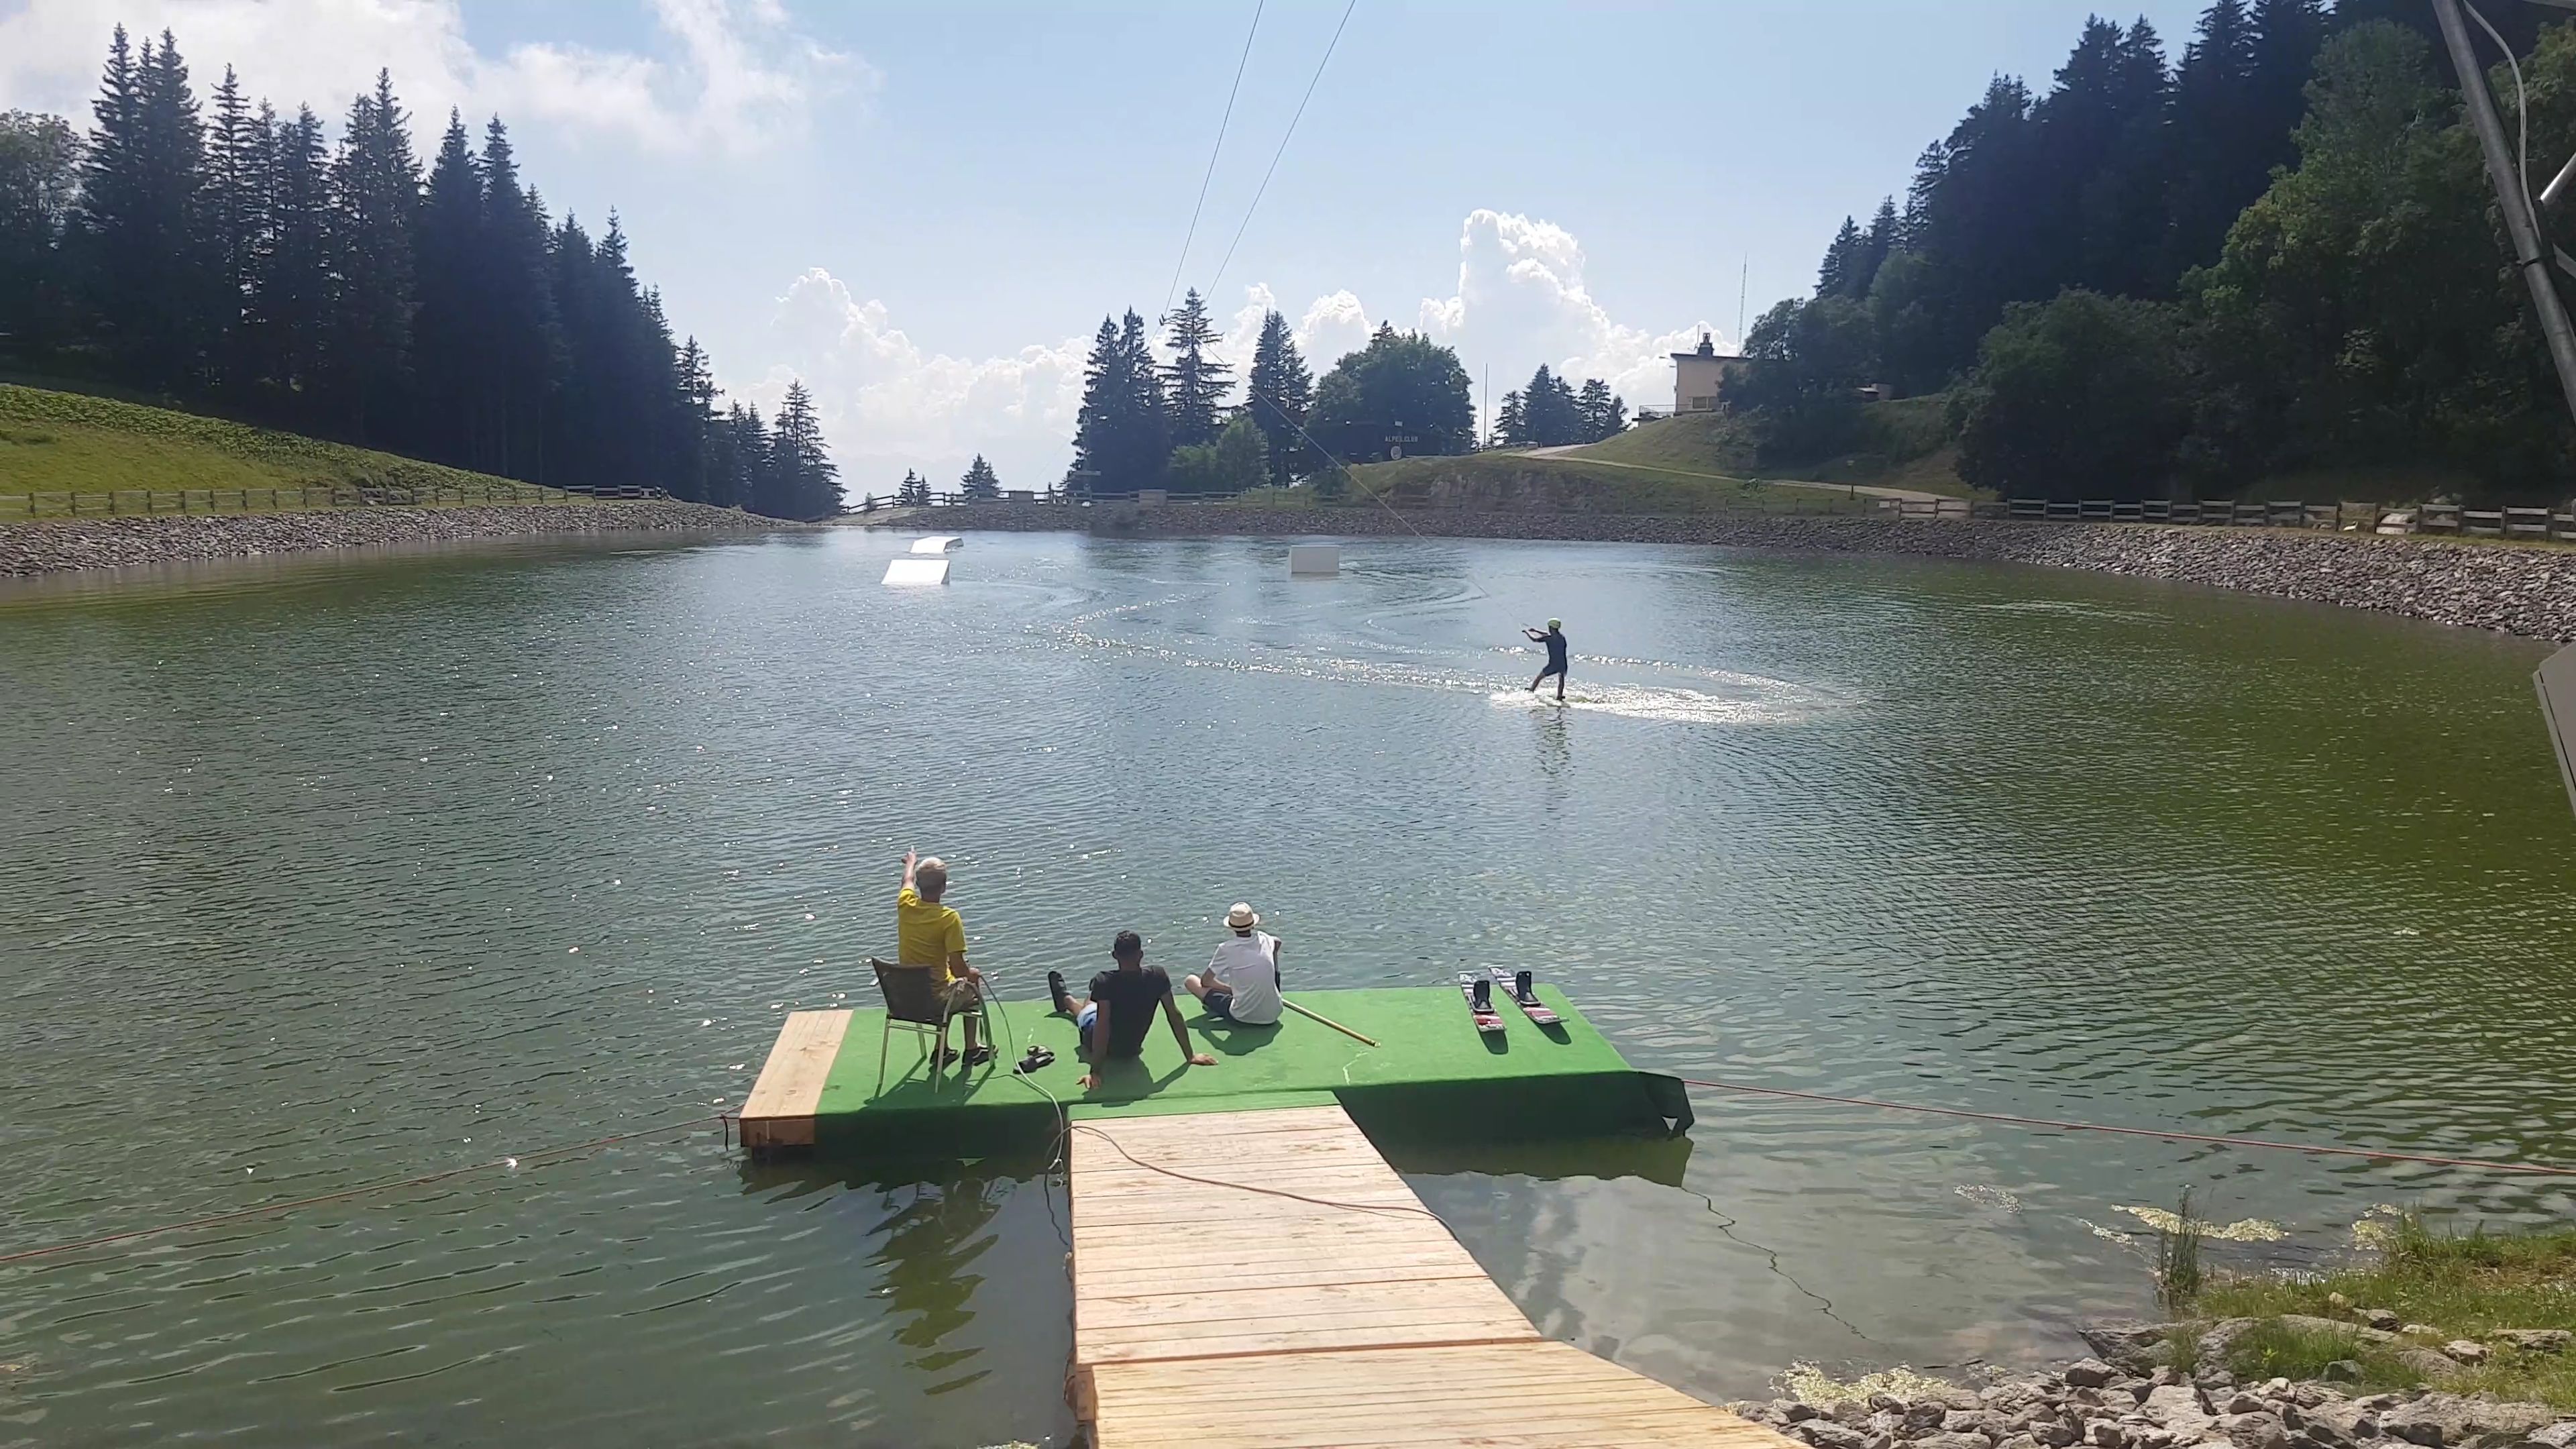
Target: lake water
321, 871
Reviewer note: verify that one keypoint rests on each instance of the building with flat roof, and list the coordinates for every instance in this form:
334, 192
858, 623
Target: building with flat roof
1696, 376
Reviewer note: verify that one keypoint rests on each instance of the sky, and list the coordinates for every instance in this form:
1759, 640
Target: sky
924, 210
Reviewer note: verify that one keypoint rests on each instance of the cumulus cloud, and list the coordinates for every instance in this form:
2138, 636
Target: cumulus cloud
1521, 301
888, 404
728, 76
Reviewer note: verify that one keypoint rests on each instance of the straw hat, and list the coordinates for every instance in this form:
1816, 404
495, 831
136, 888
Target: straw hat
1242, 917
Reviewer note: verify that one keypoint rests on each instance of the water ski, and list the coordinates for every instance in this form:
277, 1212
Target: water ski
1479, 991
1525, 996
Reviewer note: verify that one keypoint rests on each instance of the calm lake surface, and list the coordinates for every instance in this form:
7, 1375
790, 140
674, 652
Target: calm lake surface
325, 871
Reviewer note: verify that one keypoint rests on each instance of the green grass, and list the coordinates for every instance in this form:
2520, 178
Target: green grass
2461, 1286
2274, 1349
1517, 481
1908, 446
75, 453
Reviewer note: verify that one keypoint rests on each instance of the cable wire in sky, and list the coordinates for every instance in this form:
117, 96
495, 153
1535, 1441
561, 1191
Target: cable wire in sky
1213, 152
1283, 147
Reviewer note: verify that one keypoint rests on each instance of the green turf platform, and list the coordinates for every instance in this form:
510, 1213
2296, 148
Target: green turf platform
1431, 1072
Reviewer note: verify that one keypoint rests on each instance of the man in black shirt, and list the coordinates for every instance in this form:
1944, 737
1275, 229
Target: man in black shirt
1554, 639
1121, 1009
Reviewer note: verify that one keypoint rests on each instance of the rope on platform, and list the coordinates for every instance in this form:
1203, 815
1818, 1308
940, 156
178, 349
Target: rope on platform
546, 1157
2487, 1164
1358, 1207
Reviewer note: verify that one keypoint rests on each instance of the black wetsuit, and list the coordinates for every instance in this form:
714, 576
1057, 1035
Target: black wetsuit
1555, 642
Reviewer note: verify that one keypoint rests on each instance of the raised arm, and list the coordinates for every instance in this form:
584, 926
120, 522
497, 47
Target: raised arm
909, 857
1181, 1034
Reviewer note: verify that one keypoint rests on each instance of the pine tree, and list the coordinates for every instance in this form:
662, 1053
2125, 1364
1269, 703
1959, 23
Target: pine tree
2212, 124
143, 230
742, 453
523, 358
1511, 423
239, 150
1121, 440
689, 425
1196, 382
804, 481
448, 304
1842, 261
980, 482
913, 491
1882, 237
1277, 392
375, 206
290, 299
1153, 404
1602, 413
1550, 415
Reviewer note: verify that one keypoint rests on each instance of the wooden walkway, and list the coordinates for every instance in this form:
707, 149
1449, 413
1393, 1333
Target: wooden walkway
1212, 1316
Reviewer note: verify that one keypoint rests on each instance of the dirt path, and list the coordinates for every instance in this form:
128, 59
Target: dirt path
1865, 490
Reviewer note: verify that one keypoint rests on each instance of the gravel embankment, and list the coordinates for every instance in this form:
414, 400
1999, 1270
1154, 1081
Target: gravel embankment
2522, 589
2123, 1400
44, 546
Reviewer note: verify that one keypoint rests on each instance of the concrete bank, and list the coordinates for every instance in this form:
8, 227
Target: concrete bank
2522, 589
44, 546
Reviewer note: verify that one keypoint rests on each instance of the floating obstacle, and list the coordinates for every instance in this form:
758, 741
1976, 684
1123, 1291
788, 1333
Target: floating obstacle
1314, 559
908, 573
938, 543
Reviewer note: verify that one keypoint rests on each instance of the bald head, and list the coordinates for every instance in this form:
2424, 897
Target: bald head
931, 878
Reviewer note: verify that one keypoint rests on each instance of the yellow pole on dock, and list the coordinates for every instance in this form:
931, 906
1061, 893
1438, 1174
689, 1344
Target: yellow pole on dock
1328, 1021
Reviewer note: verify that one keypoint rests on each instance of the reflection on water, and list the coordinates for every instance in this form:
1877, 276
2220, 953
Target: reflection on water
326, 871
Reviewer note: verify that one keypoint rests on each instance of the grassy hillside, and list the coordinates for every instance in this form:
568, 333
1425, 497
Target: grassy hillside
1515, 481
1908, 447
92, 447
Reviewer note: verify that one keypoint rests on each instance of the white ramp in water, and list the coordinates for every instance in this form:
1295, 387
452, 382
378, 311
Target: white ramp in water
905, 573
1314, 558
938, 543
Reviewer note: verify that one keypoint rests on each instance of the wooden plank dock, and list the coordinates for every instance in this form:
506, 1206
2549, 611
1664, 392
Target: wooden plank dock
1210, 1310
781, 1109
1209, 1314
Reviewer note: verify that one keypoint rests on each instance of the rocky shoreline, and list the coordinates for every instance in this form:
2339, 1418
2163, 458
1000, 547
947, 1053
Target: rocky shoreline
45, 546
2128, 1397
2528, 590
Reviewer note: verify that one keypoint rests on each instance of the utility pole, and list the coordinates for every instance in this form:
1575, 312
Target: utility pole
2519, 221
1743, 288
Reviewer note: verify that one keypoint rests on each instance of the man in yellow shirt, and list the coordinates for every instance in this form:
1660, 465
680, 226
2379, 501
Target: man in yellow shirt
930, 934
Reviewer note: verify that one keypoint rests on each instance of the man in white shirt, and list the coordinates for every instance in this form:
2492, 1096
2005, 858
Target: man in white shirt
1241, 983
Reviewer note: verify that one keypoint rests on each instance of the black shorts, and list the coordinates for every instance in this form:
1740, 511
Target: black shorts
1547, 670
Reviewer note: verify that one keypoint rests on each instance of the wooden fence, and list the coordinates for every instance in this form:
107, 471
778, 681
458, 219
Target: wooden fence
138, 502
2382, 518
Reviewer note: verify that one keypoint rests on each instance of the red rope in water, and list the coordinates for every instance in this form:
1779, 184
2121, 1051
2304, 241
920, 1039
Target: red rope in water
2537, 1169
267, 1209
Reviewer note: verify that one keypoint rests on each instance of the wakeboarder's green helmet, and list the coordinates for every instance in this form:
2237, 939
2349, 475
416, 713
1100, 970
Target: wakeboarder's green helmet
1554, 624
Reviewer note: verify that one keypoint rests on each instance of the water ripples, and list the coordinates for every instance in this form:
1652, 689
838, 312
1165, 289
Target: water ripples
332, 871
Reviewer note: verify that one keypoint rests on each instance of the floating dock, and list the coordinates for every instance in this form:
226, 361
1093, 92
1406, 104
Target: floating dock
1351, 1316
1431, 1071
